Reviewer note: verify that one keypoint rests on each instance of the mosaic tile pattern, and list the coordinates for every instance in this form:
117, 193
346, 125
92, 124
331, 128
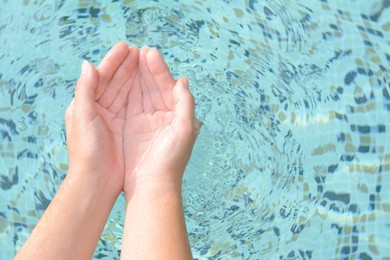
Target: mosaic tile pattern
293, 161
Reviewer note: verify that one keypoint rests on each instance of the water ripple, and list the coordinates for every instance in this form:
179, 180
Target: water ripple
294, 97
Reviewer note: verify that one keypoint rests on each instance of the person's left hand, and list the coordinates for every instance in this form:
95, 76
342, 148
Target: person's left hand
160, 126
95, 118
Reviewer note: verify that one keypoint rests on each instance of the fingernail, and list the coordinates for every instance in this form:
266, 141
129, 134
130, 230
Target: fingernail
185, 83
198, 125
85, 68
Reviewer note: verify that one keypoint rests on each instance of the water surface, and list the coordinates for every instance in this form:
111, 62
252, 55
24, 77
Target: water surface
293, 161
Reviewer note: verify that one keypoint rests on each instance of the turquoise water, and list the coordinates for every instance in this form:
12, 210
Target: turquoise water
293, 161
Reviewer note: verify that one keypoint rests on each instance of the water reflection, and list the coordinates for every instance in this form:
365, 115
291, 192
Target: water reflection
294, 97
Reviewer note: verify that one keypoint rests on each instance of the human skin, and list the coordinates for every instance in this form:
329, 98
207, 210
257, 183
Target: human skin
131, 128
159, 133
72, 224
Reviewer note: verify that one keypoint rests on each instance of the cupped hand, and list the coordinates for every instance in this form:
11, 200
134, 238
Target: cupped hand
160, 126
131, 121
96, 116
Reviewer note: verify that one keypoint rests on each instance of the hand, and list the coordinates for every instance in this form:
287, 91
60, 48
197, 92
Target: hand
160, 126
72, 224
95, 118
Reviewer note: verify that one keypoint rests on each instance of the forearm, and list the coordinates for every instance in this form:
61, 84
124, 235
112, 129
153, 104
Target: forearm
155, 226
72, 224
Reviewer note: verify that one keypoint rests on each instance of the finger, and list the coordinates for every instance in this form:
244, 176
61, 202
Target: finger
134, 99
129, 74
147, 105
86, 88
121, 98
68, 119
162, 76
109, 65
149, 86
121, 81
184, 101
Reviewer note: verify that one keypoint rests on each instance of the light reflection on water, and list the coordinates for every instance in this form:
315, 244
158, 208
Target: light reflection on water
294, 98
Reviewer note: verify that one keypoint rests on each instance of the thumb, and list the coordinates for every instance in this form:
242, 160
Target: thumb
68, 119
198, 125
184, 101
185, 108
86, 88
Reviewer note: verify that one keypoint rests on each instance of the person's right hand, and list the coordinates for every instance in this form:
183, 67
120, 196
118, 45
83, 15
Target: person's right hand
160, 126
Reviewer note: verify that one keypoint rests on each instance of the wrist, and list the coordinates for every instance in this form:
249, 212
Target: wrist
148, 185
93, 180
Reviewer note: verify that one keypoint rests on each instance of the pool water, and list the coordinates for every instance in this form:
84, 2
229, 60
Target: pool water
293, 161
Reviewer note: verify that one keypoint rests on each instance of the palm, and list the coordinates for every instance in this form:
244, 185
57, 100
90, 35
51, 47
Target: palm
115, 75
142, 133
149, 111
110, 139
148, 116
150, 132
